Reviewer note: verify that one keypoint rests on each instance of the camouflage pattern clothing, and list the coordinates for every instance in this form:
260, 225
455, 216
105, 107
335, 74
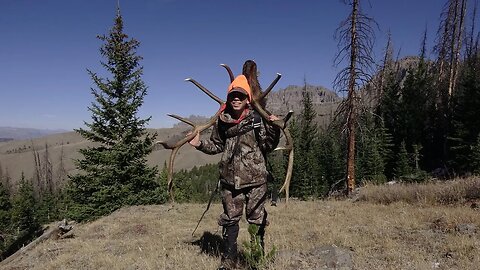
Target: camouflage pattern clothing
243, 172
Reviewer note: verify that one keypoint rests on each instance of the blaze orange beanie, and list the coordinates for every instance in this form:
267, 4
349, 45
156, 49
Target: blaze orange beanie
240, 84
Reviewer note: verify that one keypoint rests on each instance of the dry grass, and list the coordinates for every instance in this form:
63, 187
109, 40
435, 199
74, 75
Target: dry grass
394, 236
457, 191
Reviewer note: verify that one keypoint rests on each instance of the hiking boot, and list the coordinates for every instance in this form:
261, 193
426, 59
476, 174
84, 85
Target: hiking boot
229, 252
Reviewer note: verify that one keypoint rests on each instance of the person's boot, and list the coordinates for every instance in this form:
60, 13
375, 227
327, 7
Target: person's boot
229, 253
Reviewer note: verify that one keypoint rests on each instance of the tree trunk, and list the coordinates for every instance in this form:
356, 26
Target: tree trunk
351, 102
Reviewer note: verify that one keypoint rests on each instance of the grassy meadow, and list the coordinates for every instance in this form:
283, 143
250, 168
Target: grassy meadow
410, 231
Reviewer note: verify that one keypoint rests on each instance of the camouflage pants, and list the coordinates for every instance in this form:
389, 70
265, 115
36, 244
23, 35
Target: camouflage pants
233, 201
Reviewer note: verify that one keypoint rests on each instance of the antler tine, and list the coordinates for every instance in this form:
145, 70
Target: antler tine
186, 121
287, 117
170, 145
230, 73
270, 87
206, 91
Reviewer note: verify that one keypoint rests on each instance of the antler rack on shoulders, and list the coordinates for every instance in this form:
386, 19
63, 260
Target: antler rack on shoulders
198, 128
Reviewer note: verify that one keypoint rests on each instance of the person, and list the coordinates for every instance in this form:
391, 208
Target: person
243, 172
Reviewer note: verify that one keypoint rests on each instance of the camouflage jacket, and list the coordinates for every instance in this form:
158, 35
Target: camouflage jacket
243, 161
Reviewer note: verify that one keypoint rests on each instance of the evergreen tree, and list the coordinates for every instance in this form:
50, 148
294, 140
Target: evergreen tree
5, 207
476, 157
304, 132
374, 150
331, 159
307, 143
465, 120
23, 210
403, 167
115, 172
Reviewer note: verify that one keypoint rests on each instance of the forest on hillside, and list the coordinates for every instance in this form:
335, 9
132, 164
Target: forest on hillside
409, 120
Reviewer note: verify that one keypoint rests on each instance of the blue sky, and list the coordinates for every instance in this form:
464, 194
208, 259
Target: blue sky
46, 47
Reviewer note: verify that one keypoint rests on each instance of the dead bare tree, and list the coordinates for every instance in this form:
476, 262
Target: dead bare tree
43, 174
61, 172
449, 43
48, 171
355, 37
473, 37
38, 173
450, 36
198, 128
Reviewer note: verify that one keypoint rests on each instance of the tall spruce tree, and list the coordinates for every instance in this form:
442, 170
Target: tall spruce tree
374, 149
305, 161
330, 156
23, 208
5, 207
403, 167
114, 172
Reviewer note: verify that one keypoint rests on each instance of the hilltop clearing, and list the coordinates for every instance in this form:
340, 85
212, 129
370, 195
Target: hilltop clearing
397, 236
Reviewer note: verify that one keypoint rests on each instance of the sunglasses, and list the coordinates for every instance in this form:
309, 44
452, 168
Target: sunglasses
238, 95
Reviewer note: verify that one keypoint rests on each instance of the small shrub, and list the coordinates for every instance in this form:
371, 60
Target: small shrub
253, 252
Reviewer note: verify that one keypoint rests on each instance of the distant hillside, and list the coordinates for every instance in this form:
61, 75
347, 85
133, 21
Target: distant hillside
13, 133
17, 156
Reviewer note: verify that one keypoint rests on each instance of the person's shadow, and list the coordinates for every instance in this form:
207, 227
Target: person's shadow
210, 244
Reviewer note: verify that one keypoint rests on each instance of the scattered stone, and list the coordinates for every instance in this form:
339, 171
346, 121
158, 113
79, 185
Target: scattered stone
322, 257
466, 228
474, 205
449, 255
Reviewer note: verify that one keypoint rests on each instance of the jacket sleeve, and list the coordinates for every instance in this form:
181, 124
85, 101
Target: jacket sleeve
270, 138
214, 145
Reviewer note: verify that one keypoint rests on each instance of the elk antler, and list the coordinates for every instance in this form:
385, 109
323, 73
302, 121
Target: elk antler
196, 129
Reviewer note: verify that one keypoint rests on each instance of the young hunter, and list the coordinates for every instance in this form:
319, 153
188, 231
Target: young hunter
243, 173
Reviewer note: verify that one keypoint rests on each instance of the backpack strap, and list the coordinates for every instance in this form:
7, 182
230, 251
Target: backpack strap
257, 123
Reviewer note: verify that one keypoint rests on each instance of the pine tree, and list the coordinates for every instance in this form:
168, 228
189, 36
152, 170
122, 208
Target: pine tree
5, 207
374, 149
465, 120
304, 132
115, 172
23, 210
331, 161
475, 157
307, 142
403, 167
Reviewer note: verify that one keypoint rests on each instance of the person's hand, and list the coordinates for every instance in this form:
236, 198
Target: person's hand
273, 117
195, 142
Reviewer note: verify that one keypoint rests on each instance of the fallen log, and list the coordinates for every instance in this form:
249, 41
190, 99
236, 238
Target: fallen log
54, 232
